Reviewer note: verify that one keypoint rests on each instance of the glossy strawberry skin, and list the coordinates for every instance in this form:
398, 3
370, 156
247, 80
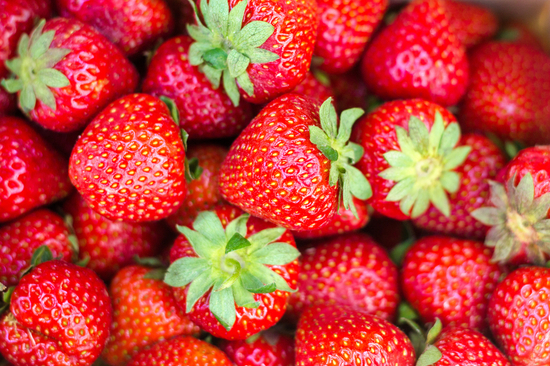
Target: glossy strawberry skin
313, 88
472, 24
482, 164
144, 312
450, 279
129, 162
20, 238
249, 321
32, 174
347, 270
205, 112
417, 56
345, 26
267, 350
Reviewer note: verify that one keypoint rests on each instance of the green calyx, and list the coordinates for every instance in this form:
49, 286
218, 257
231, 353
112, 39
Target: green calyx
517, 219
224, 48
34, 75
333, 141
233, 266
422, 341
423, 169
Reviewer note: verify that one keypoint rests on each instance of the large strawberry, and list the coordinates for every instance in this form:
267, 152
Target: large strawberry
258, 49
292, 163
417, 56
268, 348
410, 157
66, 72
233, 274
129, 163
32, 174
471, 24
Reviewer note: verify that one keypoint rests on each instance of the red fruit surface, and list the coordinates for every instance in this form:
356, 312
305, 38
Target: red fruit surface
314, 88
32, 174
269, 349
7, 102
517, 32
471, 24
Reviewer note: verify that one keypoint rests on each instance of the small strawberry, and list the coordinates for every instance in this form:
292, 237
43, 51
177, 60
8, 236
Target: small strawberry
129, 162
32, 174
349, 337
292, 164
268, 348
233, 274
205, 112
410, 157
471, 24
66, 72
315, 86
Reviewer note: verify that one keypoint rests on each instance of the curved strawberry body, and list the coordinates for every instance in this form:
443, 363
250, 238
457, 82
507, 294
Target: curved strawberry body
269, 349
471, 24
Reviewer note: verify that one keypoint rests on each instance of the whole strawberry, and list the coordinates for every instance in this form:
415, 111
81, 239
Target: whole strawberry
268, 348
471, 24
417, 56
232, 274
129, 163
292, 163
78, 72
32, 174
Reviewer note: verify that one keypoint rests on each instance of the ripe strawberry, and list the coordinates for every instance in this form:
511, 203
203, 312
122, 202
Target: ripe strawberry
482, 164
181, 351
239, 276
205, 112
518, 313
60, 314
32, 174
267, 349
261, 49
315, 87
78, 72
291, 164
345, 27
348, 270
124, 167
509, 92
470, 23
410, 157
349, 337
7, 102
132, 25
417, 56
144, 312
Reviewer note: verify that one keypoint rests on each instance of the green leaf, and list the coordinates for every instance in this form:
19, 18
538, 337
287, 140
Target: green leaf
347, 120
172, 107
209, 225
23, 45
398, 174
450, 181
216, 58
398, 252
205, 11
498, 196
405, 310
12, 85
44, 94
489, 216
264, 237
450, 138
430, 356
245, 83
405, 143
358, 183
238, 225
408, 201
27, 98
436, 133
198, 288
39, 47
236, 17
456, 157
148, 261
41, 254
253, 35
440, 200
243, 298
237, 63
213, 75
328, 118
230, 87
236, 242
540, 206
14, 65
421, 204
398, 159
267, 276
192, 169
201, 245
219, 13
434, 331
419, 134
276, 254
201, 35
51, 58
524, 193
261, 56
235, 266
251, 282
196, 51
266, 289
334, 175
53, 78
357, 152
319, 137
185, 270
222, 306
155, 274
401, 190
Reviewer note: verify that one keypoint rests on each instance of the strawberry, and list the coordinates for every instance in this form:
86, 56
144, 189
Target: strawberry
181, 351
261, 49
417, 56
508, 93
21, 237
518, 210
410, 157
144, 312
471, 24
348, 270
482, 164
349, 337
32, 174
78, 72
291, 164
125, 139
518, 316
345, 26
233, 274
315, 86
267, 349
132, 25
60, 314
205, 112
7, 102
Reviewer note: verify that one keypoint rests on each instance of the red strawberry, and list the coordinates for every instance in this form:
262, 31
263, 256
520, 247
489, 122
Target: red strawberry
78, 73
32, 174
348, 270
509, 92
482, 164
60, 314
7, 102
345, 26
181, 351
268, 349
315, 87
349, 337
518, 316
132, 25
124, 167
471, 24
205, 112
239, 276
259, 49
144, 312
417, 56
411, 157
291, 164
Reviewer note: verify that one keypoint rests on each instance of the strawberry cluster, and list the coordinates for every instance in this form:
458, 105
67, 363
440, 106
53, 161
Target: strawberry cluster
272, 183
